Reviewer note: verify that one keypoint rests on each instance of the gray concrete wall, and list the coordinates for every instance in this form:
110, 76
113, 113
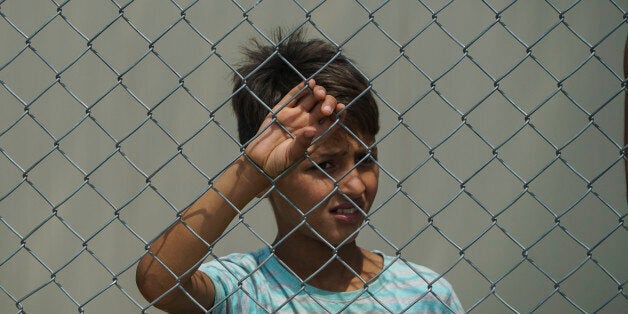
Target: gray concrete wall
74, 218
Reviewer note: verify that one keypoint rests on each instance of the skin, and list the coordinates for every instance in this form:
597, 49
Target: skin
306, 113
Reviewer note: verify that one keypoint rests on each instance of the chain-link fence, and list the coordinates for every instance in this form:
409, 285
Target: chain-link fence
501, 150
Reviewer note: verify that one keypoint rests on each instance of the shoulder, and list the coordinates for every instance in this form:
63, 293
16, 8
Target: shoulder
234, 263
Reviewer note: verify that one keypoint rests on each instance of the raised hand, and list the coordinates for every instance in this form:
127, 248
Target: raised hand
305, 113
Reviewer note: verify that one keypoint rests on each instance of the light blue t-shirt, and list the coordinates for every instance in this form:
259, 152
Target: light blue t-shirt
256, 282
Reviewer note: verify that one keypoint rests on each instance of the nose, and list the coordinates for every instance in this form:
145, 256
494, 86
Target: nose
352, 185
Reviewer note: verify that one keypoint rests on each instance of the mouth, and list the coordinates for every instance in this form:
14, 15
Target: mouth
348, 213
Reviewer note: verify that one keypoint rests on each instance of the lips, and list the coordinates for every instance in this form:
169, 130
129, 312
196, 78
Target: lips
348, 213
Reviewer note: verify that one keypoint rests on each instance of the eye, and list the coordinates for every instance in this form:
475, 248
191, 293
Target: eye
365, 159
325, 165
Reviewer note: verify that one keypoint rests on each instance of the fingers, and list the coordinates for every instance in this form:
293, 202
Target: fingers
325, 108
296, 93
307, 103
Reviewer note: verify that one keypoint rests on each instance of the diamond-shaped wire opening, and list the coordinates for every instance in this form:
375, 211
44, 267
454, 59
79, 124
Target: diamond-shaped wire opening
558, 178
213, 20
347, 26
89, 78
89, 17
25, 196
134, 214
494, 254
28, 16
462, 211
465, 30
527, 76
12, 174
525, 219
495, 131
12, 42
526, 153
292, 15
398, 206
463, 277
555, 301
593, 276
106, 111
432, 50
608, 253
358, 47
94, 279
591, 153
149, 147
56, 178
54, 243
146, 24
55, 100
179, 182
26, 156
562, 40
492, 303
497, 62
403, 95
589, 220
433, 194
58, 43
181, 115
37, 275
168, 47
388, 14
560, 111
37, 302
553, 245
112, 298
463, 154
119, 33
604, 12
85, 211
127, 244
442, 254
117, 187
528, 27
464, 85
27, 76
211, 96
611, 44
165, 80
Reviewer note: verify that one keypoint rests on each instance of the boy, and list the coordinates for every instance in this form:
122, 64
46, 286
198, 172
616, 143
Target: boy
312, 156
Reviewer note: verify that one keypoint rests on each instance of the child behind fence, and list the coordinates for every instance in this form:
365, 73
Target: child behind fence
308, 121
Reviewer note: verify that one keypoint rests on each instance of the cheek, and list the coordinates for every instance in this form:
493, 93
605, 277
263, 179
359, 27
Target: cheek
305, 190
372, 182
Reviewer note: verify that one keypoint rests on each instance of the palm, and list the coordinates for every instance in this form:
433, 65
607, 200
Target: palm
282, 141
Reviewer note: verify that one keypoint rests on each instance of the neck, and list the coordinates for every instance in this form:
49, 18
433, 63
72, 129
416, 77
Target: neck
314, 262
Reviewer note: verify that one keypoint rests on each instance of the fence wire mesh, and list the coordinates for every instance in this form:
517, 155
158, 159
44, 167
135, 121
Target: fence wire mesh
501, 151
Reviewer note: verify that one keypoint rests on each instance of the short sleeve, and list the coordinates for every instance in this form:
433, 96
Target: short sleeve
227, 274
454, 303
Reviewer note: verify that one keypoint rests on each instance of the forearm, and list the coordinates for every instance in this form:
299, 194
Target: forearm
182, 246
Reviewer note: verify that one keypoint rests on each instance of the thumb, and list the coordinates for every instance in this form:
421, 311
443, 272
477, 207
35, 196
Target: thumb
303, 139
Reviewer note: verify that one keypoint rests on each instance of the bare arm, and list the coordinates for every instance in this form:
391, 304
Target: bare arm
178, 250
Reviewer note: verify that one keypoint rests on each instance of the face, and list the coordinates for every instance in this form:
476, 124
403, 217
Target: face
335, 214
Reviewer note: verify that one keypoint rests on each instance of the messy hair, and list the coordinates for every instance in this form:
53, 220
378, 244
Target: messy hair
269, 77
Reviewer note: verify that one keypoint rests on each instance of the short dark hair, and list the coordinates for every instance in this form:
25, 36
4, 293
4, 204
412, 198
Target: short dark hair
270, 78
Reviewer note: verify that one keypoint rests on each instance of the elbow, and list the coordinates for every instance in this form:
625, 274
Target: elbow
155, 282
